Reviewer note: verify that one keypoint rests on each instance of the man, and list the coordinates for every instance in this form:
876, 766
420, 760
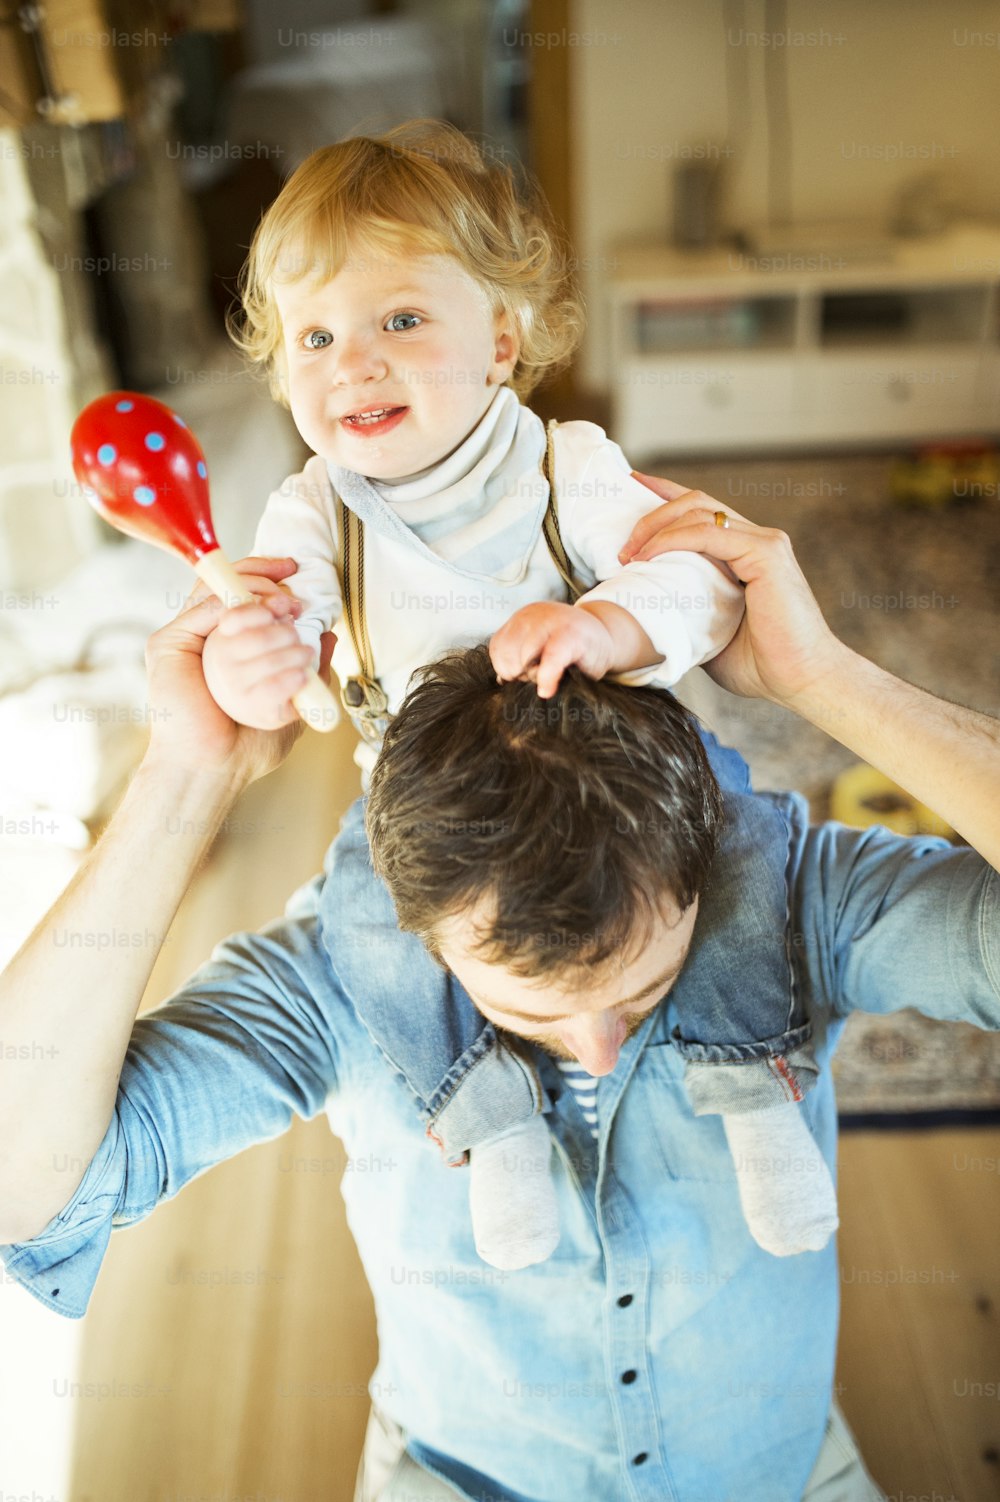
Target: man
659, 1354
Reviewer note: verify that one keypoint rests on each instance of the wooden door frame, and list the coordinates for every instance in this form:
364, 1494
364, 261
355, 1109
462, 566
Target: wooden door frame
550, 101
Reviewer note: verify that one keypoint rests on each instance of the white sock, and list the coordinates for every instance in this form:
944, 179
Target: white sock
786, 1190
512, 1198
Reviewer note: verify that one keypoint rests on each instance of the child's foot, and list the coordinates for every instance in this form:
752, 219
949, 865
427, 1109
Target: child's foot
786, 1190
511, 1195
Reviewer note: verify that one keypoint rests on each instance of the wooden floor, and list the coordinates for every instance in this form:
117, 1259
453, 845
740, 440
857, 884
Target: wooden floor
236, 1327
919, 1366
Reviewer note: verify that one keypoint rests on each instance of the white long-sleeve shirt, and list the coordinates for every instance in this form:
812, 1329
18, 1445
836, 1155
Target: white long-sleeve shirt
417, 609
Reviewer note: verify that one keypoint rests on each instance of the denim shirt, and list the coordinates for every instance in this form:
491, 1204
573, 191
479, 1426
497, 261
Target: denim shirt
660, 1355
745, 1047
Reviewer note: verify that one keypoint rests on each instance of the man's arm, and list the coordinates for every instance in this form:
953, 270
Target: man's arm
946, 756
255, 1037
69, 997
884, 921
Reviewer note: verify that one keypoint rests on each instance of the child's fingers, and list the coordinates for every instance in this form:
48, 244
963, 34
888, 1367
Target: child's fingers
512, 657
560, 651
518, 642
273, 568
200, 618
251, 647
251, 671
262, 575
240, 618
266, 703
251, 629
272, 698
281, 603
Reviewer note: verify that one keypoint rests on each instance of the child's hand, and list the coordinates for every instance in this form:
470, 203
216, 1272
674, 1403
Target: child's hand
254, 662
540, 641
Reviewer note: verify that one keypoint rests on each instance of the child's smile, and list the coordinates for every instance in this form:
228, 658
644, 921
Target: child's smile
392, 362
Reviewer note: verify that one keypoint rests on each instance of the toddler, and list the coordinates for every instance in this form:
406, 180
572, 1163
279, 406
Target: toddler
404, 294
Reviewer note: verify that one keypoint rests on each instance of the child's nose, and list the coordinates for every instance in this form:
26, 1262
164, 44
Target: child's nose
358, 361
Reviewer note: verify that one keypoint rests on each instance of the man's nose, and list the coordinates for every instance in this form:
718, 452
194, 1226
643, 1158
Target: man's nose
595, 1042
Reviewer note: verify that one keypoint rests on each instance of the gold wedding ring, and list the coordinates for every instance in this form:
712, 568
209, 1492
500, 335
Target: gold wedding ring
721, 519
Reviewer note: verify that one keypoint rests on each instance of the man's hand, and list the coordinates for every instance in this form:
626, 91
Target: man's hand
541, 641
188, 727
783, 646
943, 754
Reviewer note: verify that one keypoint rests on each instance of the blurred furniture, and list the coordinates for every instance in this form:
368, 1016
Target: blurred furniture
721, 351
357, 79
71, 62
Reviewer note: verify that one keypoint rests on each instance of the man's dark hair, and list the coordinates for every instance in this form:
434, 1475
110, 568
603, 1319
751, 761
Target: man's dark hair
577, 817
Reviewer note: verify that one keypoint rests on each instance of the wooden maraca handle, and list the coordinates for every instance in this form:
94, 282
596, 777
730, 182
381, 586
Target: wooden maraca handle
314, 701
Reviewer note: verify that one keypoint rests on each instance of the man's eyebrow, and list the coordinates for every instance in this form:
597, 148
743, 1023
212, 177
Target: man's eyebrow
661, 980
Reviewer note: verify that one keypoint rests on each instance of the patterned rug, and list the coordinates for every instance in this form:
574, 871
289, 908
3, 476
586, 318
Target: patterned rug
919, 593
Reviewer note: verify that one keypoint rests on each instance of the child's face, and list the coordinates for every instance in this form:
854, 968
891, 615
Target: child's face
411, 334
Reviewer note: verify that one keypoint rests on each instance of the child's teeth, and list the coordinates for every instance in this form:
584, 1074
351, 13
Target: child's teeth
371, 416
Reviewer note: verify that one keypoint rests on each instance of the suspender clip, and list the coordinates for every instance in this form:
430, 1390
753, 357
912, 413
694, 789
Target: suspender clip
367, 705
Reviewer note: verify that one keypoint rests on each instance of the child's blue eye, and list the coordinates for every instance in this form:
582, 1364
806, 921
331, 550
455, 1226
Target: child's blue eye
317, 334
413, 316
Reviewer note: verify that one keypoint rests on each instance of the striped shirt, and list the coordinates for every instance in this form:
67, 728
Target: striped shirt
584, 1088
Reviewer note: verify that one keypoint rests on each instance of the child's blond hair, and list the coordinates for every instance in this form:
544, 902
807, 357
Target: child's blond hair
421, 188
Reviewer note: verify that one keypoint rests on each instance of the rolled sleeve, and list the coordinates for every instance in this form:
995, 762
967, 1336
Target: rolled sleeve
689, 606
686, 607
890, 921
246, 1044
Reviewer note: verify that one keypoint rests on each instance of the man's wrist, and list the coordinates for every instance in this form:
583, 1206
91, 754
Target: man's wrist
825, 698
207, 787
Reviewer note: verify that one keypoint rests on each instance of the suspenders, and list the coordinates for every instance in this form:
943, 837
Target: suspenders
362, 695
550, 521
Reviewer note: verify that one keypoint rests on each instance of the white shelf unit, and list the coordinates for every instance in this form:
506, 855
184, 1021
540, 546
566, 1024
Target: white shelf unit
716, 352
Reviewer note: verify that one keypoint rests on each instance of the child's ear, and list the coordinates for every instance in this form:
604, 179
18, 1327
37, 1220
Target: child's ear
506, 347
279, 378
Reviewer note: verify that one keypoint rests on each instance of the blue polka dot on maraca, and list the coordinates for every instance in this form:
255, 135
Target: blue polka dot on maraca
124, 406
155, 442
178, 420
144, 494
107, 453
202, 468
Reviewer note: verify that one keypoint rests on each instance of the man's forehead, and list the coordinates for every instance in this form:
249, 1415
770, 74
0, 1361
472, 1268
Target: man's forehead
468, 925
656, 954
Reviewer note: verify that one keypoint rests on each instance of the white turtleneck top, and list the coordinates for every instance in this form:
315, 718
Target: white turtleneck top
451, 553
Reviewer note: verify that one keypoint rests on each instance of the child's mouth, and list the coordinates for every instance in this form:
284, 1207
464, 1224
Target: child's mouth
375, 420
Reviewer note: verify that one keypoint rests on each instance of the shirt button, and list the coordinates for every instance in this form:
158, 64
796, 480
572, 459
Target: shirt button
629, 1376
624, 1301
640, 1459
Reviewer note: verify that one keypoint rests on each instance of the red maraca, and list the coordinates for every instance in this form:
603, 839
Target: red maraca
143, 470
